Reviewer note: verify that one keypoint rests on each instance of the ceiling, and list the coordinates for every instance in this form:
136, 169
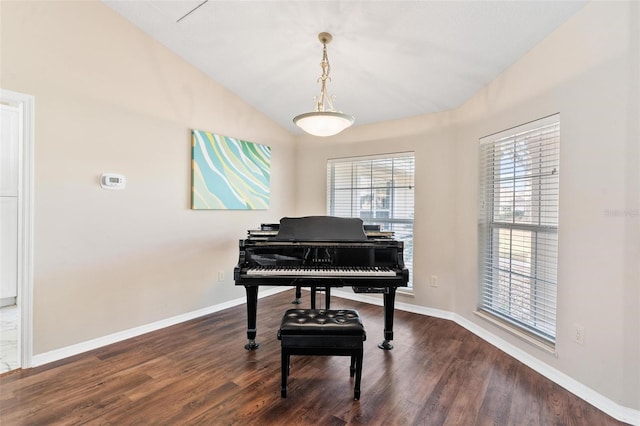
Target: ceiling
389, 59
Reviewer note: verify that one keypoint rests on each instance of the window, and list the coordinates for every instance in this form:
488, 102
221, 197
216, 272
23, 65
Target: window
379, 190
518, 227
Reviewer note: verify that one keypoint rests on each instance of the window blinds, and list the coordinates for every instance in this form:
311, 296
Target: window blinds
518, 226
377, 189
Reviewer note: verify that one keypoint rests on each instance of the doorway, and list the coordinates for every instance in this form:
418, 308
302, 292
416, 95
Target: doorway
16, 230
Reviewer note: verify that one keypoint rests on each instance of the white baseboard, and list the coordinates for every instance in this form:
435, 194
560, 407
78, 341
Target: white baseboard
617, 411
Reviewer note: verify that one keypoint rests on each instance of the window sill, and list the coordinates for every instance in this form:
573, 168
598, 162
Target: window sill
550, 348
405, 291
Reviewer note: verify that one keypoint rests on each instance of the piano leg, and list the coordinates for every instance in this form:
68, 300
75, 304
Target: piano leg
252, 310
389, 306
298, 295
313, 297
327, 296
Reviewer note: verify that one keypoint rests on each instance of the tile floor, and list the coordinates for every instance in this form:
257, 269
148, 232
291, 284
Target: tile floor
8, 338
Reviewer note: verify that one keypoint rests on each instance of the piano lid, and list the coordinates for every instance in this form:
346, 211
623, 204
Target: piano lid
321, 228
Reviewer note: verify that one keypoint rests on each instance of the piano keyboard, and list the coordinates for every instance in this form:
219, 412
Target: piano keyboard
319, 271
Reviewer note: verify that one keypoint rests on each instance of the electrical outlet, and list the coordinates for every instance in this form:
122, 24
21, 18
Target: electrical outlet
220, 276
434, 281
578, 334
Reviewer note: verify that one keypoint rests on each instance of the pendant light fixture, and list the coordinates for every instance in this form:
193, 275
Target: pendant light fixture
325, 120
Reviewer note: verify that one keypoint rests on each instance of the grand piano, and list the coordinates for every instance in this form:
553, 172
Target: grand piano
321, 251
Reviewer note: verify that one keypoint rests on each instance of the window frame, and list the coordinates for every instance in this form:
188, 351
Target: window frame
532, 315
390, 199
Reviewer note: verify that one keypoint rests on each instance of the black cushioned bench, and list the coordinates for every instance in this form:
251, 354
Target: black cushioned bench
322, 332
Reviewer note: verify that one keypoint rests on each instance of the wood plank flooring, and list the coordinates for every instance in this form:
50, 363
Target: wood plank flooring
198, 373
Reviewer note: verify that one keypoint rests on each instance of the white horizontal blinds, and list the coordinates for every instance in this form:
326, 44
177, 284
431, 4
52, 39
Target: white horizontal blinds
379, 190
518, 226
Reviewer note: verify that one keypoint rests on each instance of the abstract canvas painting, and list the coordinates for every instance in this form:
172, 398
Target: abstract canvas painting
229, 173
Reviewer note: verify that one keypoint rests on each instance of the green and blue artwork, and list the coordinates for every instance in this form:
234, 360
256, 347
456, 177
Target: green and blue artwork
229, 173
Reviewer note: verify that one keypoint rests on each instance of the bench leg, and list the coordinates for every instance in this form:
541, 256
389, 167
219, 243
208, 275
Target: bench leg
352, 367
356, 391
284, 366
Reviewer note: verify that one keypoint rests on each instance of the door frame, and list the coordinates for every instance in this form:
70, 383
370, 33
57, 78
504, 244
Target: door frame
26, 104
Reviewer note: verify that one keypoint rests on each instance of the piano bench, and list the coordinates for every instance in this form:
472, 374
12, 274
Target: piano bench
322, 332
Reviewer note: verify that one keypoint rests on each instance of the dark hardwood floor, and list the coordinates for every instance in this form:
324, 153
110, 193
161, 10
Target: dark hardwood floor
198, 373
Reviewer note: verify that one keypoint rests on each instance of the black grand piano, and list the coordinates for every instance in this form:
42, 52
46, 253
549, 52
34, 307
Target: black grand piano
321, 251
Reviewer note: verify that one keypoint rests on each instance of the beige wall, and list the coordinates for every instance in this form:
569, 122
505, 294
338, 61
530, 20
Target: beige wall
588, 71
109, 99
433, 140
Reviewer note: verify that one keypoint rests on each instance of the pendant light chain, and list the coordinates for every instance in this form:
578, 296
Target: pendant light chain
326, 69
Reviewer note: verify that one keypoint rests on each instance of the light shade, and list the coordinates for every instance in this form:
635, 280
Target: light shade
323, 123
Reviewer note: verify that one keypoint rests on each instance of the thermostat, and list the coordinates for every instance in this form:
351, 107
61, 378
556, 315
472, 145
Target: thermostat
112, 181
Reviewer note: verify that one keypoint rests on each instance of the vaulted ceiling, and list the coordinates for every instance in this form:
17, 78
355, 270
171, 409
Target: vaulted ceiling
389, 59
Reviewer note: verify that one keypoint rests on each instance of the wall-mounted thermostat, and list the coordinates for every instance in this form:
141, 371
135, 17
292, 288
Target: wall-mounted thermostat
112, 181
